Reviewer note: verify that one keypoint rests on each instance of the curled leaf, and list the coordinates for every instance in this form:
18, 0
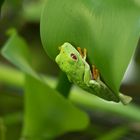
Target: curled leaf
108, 29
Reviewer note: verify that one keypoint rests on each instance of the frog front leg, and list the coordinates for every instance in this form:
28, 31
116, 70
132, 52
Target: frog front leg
83, 52
90, 77
87, 72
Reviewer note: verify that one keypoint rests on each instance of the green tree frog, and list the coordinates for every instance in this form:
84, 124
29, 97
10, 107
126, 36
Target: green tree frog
73, 62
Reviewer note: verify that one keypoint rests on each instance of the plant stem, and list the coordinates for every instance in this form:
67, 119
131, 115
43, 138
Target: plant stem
77, 96
63, 85
11, 76
2, 130
87, 100
9, 120
13, 118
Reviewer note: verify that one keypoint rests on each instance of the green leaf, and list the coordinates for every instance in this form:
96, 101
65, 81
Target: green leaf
17, 52
47, 113
108, 29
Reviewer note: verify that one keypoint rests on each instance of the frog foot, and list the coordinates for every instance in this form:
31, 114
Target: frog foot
95, 73
83, 52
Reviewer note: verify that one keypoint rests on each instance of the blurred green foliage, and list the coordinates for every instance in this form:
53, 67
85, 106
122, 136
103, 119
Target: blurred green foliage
1, 2
41, 102
27, 107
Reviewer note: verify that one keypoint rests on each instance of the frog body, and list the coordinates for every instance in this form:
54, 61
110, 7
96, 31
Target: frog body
74, 64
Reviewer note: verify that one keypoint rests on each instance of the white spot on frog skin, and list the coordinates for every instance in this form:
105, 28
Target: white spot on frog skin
93, 82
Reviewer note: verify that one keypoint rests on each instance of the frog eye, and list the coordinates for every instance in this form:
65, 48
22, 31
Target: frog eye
73, 56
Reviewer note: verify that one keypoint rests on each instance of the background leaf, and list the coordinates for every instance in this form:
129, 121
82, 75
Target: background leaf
108, 29
17, 52
47, 113
58, 114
